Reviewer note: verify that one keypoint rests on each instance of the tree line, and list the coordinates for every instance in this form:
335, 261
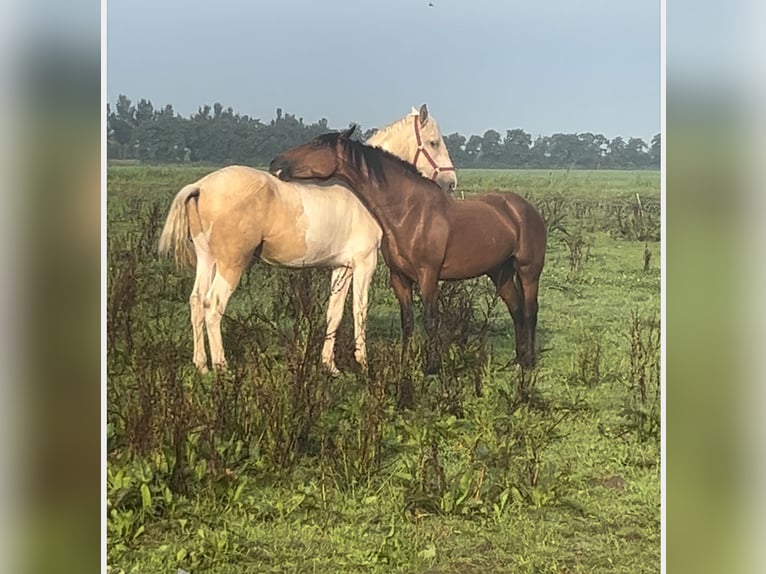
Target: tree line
221, 136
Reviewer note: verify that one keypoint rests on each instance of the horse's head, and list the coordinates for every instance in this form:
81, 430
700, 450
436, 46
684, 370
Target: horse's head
431, 155
317, 159
416, 139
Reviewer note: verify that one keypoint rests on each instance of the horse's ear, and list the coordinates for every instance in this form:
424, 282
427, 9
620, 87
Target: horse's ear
344, 135
423, 115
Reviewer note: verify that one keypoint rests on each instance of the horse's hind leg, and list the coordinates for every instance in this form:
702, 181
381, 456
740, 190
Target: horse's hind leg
504, 280
529, 277
223, 285
363, 272
339, 284
429, 291
202, 280
403, 290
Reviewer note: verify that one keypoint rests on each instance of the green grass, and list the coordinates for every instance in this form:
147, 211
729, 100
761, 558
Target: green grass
583, 183
276, 467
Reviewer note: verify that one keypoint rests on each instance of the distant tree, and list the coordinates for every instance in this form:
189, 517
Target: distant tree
124, 110
563, 150
491, 149
144, 112
590, 150
220, 136
120, 126
635, 153
540, 153
166, 112
616, 152
516, 148
655, 151
601, 146
203, 113
456, 147
473, 149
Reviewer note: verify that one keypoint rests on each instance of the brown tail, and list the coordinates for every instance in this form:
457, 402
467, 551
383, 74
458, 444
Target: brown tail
175, 234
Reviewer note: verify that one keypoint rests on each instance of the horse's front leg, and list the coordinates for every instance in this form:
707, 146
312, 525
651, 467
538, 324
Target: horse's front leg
339, 284
402, 287
363, 272
429, 290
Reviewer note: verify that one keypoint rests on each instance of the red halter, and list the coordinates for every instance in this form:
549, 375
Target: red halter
424, 151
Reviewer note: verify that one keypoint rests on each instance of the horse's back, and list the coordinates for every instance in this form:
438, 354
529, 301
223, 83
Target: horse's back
236, 181
519, 208
532, 233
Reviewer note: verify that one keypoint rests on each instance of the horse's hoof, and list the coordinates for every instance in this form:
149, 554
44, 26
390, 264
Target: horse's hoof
361, 359
361, 367
331, 369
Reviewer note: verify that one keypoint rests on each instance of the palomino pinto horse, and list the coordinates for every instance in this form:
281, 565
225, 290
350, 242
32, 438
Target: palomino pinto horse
428, 236
237, 212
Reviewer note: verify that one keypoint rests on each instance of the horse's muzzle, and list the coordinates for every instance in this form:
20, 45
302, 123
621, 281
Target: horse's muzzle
278, 169
447, 181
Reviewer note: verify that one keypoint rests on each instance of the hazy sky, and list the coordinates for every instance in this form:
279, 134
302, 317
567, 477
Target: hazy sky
546, 67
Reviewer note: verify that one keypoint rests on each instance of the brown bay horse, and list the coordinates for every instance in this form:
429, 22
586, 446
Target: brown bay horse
429, 236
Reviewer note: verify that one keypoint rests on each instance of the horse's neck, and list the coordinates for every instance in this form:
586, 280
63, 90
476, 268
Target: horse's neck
384, 200
395, 139
368, 194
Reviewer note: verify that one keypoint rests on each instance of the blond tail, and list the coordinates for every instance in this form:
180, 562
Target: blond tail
175, 234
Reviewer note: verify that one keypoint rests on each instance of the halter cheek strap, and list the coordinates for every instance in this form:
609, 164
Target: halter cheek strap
424, 151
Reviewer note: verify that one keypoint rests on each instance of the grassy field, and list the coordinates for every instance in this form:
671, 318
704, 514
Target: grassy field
274, 466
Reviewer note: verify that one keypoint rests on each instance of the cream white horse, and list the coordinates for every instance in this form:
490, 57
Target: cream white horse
239, 212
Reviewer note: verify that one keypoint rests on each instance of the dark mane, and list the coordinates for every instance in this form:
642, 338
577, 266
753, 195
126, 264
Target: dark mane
367, 157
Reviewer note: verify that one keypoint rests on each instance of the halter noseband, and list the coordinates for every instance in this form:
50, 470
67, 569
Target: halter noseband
424, 151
